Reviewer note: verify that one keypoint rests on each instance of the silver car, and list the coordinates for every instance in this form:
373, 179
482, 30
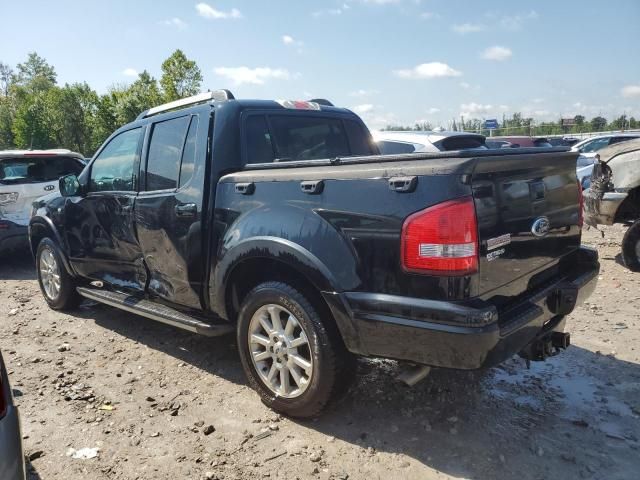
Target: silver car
396, 142
11, 455
591, 146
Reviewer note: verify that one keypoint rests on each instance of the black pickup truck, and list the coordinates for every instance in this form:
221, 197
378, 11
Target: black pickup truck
280, 221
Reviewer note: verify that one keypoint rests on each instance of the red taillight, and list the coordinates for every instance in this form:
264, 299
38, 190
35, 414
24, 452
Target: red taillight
442, 239
580, 205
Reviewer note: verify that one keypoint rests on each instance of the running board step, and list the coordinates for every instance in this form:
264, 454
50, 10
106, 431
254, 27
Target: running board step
155, 311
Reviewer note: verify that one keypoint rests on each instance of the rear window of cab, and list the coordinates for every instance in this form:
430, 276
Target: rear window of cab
282, 138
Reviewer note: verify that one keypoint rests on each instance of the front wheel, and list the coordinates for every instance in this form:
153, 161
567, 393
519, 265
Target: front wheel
631, 247
291, 358
57, 286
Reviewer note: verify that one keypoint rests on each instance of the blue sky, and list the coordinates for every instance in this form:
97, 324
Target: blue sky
392, 61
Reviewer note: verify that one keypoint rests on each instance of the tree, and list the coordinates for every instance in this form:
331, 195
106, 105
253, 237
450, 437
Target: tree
598, 124
36, 74
6, 79
181, 77
6, 123
73, 111
620, 123
141, 95
31, 125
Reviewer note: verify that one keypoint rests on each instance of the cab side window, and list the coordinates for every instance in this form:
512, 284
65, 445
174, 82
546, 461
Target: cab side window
114, 168
165, 153
189, 153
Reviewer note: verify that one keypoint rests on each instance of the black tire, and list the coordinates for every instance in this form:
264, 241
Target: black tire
325, 346
67, 297
631, 247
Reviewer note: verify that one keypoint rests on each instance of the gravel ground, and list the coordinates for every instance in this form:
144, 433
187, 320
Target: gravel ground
158, 403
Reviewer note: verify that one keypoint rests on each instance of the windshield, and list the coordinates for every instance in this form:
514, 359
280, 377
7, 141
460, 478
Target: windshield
594, 145
21, 170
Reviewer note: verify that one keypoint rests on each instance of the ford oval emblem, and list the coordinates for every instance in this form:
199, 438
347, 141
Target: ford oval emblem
540, 227
48, 188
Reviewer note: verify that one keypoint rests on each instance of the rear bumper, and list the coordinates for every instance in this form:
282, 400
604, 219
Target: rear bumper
458, 335
13, 236
601, 211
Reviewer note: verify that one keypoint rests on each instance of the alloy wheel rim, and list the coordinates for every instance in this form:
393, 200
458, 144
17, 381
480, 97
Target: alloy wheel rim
280, 351
49, 274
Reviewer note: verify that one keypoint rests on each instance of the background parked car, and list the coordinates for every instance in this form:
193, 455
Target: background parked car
614, 195
11, 456
591, 146
396, 142
491, 144
563, 141
522, 141
584, 168
25, 176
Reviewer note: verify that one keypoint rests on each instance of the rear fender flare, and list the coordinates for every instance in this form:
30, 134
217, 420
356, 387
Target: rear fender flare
274, 248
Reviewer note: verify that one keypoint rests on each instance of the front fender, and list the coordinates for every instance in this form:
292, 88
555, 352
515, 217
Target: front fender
40, 227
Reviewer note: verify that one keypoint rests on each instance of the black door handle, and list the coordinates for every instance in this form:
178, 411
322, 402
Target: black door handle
186, 210
312, 187
403, 184
245, 188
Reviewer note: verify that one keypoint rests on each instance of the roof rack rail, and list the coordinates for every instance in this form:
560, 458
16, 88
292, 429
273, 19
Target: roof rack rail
322, 101
216, 96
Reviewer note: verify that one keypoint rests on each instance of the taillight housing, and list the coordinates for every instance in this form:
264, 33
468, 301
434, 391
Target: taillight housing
580, 205
442, 239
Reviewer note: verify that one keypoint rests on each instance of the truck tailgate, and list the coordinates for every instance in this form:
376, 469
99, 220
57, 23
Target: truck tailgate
528, 211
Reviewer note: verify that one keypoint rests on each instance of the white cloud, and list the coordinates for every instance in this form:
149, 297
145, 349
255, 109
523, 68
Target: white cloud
433, 110
474, 109
364, 108
375, 116
465, 85
175, 22
428, 70
465, 28
207, 11
429, 15
380, 2
363, 92
630, 91
255, 76
331, 11
289, 41
130, 72
512, 22
497, 53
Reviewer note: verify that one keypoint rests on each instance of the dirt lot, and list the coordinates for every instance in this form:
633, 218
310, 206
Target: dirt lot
163, 404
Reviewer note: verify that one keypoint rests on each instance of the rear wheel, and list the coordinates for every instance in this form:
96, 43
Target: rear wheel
57, 286
631, 247
291, 358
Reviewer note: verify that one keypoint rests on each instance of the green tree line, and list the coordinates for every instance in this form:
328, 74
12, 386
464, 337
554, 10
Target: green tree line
37, 113
517, 124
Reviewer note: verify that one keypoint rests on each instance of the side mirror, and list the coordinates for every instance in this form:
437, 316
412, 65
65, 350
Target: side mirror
69, 186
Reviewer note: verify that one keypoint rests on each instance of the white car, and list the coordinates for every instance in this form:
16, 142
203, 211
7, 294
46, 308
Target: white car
584, 167
590, 146
25, 176
396, 142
